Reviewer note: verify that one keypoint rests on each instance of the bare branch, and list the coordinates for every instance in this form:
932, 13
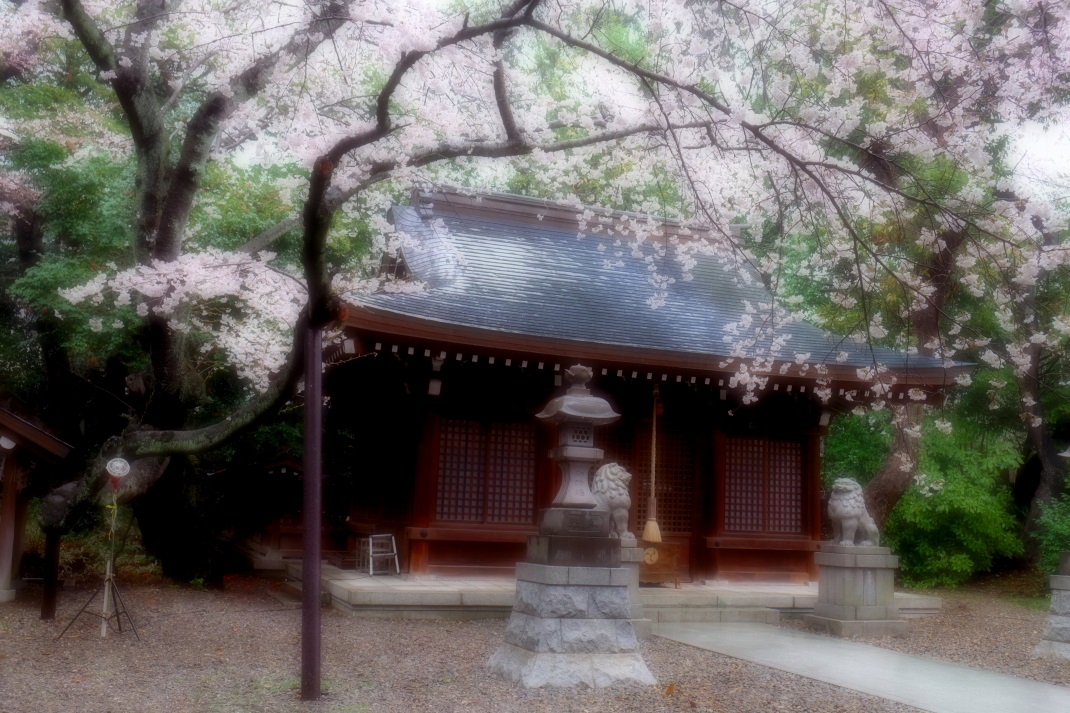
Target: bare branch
501, 95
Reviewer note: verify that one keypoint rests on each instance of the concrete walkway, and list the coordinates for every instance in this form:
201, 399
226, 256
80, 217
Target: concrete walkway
914, 680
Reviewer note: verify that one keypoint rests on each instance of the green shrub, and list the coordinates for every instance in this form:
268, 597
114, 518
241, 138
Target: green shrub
84, 550
1054, 531
857, 446
959, 516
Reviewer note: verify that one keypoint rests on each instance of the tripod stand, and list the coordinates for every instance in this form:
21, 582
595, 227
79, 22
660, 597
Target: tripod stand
116, 611
114, 605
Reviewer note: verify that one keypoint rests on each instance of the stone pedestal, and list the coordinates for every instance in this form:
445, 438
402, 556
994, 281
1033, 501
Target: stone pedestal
1056, 641
571, 626
856, 592
630, 559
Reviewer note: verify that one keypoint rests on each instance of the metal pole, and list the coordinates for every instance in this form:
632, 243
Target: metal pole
312, 522
51, 583
109, 575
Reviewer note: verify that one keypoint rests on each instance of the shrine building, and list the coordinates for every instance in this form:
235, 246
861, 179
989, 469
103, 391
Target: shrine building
441, 401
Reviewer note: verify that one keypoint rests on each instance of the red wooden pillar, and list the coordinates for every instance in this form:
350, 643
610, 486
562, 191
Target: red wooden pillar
813, 498
8, 516
426, 491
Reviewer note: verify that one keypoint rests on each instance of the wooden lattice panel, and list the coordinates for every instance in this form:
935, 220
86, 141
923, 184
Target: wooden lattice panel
486, 472
744, 485
785, 512
511, 473
675, 481
461, 471
763, 485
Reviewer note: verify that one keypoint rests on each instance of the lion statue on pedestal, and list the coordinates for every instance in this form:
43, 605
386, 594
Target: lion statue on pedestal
610, 489
850, 520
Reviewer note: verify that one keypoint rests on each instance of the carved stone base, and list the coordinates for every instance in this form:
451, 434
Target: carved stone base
567, 550
536, 670
571, 626
630, 558
578, 522
1056, 641
1052, 650
856, 592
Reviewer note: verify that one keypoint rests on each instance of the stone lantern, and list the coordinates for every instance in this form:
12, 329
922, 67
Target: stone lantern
574, 530
571, 621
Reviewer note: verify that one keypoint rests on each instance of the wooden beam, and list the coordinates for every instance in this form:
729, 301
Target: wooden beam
468, 534
738, 542
39, 442
397, 326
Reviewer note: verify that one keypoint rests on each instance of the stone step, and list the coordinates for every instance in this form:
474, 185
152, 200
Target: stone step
759, 615
389, 595
916, 605
293, 588
684, 598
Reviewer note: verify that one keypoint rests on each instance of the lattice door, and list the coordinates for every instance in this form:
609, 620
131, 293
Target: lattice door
675, 482
744, 486
763, 485
511, 473
462, 471
486, 472
785, 510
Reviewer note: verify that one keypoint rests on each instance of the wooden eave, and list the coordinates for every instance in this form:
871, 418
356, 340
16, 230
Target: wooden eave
406, 327
542, 212
37, 441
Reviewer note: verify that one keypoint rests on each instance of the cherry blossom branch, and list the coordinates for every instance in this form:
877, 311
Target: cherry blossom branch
132, 88
148, 443
501, 95
631, 67
204, 125
508, 21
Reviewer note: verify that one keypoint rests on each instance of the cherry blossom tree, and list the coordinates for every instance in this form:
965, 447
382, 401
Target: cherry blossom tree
821, 120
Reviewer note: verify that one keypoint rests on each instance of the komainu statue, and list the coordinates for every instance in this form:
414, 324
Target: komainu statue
610, 488
850, 520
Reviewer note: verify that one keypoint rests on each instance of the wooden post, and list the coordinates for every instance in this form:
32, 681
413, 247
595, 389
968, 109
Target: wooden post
312, 521
8, 512
51, 574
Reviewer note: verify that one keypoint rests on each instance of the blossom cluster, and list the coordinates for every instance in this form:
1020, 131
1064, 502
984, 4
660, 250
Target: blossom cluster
871, 132
243, 307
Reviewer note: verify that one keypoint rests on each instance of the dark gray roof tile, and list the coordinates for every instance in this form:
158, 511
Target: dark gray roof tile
542, 281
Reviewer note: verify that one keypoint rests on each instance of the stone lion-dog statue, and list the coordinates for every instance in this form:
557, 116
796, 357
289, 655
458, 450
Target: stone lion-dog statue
610, 489
850, 520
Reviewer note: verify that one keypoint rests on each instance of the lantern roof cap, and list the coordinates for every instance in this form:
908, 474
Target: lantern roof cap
578, 404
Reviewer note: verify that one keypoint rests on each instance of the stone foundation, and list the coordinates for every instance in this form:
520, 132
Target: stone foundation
1056, 641
571, 626
856, 592
630, 559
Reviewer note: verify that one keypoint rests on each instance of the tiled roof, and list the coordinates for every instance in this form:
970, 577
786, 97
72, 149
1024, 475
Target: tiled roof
526, 277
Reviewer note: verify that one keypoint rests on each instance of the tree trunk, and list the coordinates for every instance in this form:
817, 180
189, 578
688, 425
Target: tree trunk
1052, 470
893, 479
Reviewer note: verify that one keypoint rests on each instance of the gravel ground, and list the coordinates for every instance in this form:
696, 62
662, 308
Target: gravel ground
238, 650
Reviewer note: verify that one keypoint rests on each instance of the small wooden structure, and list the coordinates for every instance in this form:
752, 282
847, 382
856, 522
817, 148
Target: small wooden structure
453, 462
23, 446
